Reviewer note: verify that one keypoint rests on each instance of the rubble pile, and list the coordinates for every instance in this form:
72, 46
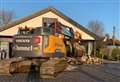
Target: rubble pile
72, 61
52, 67
84, 60
90, 60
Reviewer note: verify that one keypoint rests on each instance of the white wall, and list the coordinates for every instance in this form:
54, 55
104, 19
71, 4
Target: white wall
37, 21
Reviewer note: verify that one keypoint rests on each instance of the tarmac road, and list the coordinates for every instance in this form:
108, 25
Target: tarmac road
84, 73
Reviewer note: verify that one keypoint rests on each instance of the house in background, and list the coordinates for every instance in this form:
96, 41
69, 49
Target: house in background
112, 43
108, 45
36, 20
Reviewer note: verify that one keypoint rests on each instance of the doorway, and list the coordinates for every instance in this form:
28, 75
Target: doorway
10, 50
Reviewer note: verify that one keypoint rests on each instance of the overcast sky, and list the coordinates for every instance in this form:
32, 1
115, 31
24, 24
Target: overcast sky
82, 11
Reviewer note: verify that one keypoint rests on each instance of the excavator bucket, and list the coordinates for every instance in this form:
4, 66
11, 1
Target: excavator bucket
7, 66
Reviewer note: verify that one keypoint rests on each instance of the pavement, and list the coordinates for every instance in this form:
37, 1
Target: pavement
108, 72
108, 61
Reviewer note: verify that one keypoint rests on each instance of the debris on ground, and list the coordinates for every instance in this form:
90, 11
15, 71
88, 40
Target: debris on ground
84, 60
91, 60
71, 60
71, 68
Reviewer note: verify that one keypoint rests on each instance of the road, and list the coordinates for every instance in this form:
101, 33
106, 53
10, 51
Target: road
83, 73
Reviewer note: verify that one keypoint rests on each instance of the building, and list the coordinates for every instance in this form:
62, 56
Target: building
36, 20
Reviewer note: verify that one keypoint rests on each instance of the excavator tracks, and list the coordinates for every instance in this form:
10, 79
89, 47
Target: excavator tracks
7, 66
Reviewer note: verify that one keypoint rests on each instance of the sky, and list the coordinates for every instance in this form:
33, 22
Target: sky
82, 11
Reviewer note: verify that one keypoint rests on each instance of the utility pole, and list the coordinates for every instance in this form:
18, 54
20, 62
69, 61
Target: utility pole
113, 36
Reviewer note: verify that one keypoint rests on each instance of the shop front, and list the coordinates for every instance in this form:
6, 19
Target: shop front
5, 47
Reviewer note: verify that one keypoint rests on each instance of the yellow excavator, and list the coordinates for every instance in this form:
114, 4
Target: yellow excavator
33, 46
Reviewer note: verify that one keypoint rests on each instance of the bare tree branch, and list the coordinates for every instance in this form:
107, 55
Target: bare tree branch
6, 17
96, 27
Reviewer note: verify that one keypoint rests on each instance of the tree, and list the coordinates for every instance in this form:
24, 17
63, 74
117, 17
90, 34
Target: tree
6, 17
96, 27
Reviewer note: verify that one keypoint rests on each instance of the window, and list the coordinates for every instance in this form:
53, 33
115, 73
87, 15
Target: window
47, 22
52, 23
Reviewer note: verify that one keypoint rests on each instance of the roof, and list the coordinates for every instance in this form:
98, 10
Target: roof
9, 25
111, 42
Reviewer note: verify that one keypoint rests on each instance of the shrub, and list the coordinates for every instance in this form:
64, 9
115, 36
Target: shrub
116, 54
100, 54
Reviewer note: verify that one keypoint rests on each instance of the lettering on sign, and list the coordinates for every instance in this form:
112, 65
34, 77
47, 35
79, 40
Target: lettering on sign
24, 48
22, 40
